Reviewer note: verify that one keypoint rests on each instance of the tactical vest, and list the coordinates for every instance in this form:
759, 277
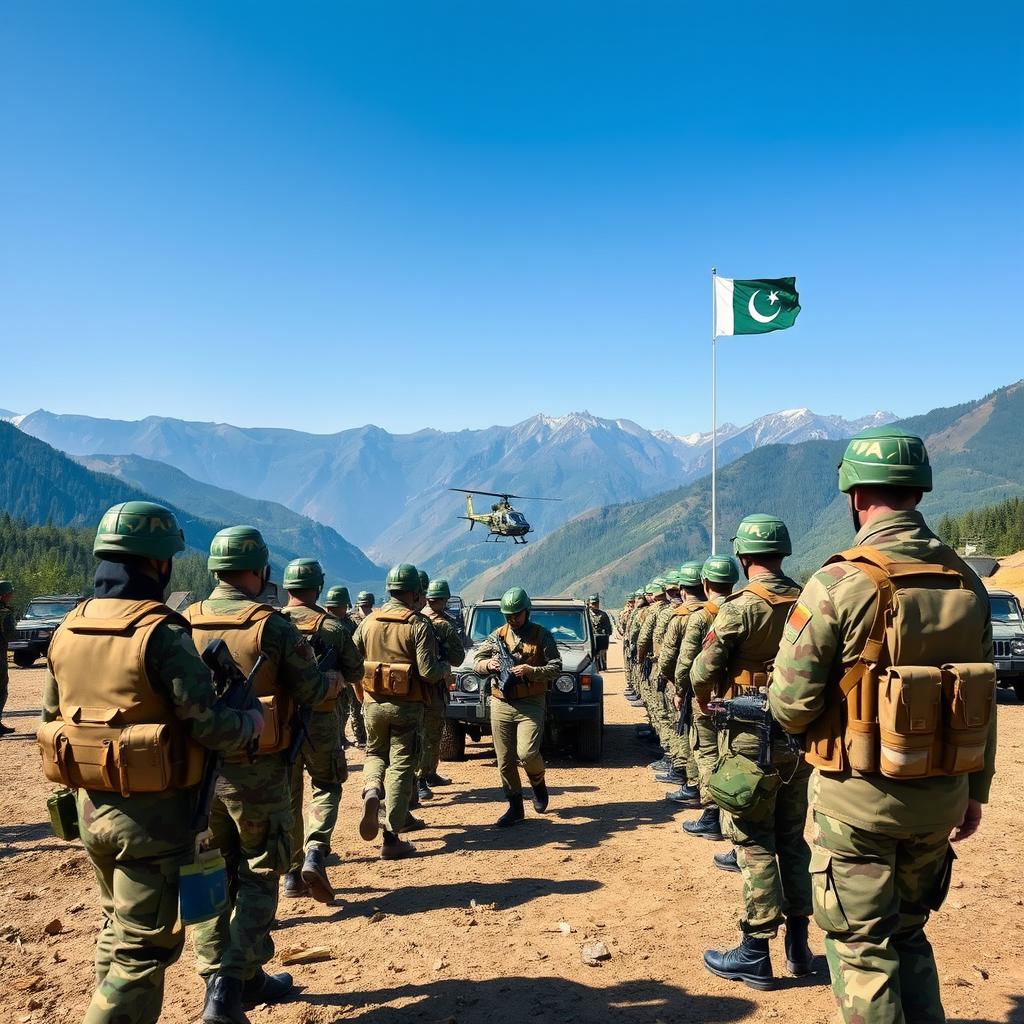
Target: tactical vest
309, 627
242, 631
746, 677
915, 703
115, 733
529, 652
391, 680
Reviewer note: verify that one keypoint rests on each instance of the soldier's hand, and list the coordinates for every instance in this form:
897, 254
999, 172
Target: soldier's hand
493, 665
521, 671
969, 825
256, 715
677, 702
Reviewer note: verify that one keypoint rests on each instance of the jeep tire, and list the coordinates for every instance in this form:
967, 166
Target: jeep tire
453, 741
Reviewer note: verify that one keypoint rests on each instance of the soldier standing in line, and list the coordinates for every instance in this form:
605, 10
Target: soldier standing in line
643, 636
322, 756
338, 603
251, 817
453, 651
401, 662
884, 810
680, 754
628, 652
601, 625
771, 851
123, 660
364, 609
7, 633
662, 721
517, 716
720, 575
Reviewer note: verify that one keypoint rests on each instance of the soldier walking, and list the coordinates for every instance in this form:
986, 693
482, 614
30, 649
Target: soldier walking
122, 668
897, 621
364, 608
251, 817
339, 604
7, 633
322, 756
517, 715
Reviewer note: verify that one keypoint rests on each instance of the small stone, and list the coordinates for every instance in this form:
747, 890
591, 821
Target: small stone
593, 953
440, 965
564, 927
377, 918
53, 927
981, 971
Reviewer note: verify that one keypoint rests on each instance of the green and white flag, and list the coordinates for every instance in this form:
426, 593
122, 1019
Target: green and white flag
755, 307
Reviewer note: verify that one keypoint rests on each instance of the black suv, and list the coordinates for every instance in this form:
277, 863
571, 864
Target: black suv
575, 700
42, 616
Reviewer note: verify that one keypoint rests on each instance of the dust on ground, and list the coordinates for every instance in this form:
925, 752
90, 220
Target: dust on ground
487, 926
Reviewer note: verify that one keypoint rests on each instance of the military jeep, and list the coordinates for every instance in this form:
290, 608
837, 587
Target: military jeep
1008, 640
34, 630
575, 700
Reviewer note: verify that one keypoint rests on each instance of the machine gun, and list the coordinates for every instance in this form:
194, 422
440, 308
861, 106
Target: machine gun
506, 680
754, 710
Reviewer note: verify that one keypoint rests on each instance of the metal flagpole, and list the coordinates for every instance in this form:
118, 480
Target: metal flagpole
714, 417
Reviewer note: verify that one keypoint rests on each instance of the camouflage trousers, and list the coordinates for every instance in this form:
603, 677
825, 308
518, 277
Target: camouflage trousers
137, 846
392, 755
433, 723
517, 727
873, 894
251, 822
675, 743
704, 744
771, 851
324, 761
350, 710
4, 680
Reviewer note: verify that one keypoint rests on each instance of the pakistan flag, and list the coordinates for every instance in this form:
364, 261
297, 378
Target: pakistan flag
755, 307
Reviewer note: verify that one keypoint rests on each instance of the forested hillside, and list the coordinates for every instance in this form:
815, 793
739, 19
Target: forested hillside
996, 529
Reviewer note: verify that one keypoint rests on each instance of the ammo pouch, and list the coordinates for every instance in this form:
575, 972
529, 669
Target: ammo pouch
392, 679
740, 786
894, 715
112, 759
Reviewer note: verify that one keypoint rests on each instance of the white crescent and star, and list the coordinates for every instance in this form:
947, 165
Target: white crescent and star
773, 297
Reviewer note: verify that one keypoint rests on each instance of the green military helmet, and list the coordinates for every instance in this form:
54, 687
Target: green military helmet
403, 578
424, 581
515, 600
438, 589
655, 587
138, 529
638, 593
364, 599
303, 574
885, 457
690, 574
336, 597
671, 579
593, 599
238, 548
720, 569
762, 535
6, 587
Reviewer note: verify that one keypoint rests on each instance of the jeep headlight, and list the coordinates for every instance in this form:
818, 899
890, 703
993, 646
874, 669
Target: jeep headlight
41, 634
565, 684
1017, 647
469, 683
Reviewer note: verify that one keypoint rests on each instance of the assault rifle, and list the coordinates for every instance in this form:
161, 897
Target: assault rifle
754, 710
685, 711
506, 680
325, 662
645, 672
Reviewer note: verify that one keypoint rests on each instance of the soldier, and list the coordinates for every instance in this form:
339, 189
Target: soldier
452, 650
680, 756
338, 603
883, 808
251, 817
642, 638
659, 699
517, 717
122, 662
601, 626
401, 662
364, 608
720, 575
322, 756
768, 836
7, 633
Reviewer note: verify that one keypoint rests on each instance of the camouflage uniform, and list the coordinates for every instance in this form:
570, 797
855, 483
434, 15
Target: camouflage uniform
323, 757
679, 748
348, 700
770, 847
251, 818
453, 651
881, 860
601, 625
644, 631
8, 632
138, 843
356, 707
703, 735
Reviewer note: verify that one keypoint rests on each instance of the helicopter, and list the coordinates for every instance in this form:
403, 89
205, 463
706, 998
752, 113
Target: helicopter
503, 520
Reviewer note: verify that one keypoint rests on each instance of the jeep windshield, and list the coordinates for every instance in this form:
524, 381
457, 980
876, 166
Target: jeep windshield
49, 609
1006, 609
565, 624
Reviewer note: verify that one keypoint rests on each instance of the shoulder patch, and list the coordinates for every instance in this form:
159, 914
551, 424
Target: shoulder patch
833, 574
798, 619
710, 638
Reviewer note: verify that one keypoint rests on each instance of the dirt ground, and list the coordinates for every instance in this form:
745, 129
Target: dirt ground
469, 931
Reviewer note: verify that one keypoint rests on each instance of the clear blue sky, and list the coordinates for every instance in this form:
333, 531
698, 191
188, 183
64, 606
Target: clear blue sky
457, 214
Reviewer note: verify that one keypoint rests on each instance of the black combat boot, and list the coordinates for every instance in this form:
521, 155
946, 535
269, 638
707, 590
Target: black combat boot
393, 848
423, 791
314, 874
540, 796
433, 779
266, 988
750, 962
414, 800
707, 826
413, 824
685, 796
368, 825
671, 777
661, 765
223, 1003
6, 730
727, 862
294, 886
514, 813
799, 958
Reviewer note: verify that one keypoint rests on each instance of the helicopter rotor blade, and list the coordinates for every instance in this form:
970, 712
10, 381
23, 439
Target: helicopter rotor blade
497, 494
